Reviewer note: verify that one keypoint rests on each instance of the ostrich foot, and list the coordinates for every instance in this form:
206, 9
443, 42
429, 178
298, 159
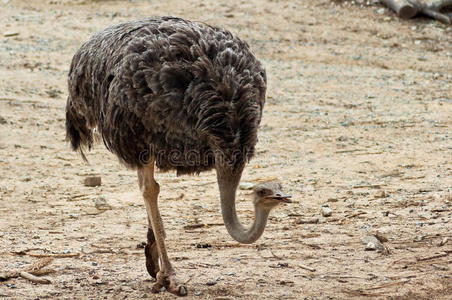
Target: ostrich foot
170, 283
152, 256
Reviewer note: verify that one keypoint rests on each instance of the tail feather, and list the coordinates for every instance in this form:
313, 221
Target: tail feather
77, 131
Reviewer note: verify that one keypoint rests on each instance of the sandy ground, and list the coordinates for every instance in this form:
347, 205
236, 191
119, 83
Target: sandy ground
358, 118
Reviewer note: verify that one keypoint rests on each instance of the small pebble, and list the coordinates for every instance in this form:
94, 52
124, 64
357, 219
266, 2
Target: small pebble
419, 238
101, 203
93, 181
326, 211
371, 246
372, 243
380, 194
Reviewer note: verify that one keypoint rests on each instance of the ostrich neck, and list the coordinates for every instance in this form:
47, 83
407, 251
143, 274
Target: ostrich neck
233, 225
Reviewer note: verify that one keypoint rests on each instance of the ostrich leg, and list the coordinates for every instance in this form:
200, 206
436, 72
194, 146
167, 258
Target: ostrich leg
166, 276
150, 250
151, 253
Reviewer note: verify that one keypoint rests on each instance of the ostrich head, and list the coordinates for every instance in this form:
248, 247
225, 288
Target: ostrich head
268, 195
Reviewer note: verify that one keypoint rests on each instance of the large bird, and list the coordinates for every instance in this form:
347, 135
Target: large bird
179, 95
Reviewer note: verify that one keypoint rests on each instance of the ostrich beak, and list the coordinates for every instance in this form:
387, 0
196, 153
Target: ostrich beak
284, 198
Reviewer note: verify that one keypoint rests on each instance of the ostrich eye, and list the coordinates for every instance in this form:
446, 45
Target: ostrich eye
261, 193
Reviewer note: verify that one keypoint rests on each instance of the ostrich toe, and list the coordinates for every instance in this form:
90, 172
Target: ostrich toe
170, 283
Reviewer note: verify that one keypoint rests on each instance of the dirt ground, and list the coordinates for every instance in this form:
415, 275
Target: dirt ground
358, 118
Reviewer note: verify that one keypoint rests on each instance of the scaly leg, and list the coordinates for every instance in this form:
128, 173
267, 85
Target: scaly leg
150, 250
166, 277
151, 253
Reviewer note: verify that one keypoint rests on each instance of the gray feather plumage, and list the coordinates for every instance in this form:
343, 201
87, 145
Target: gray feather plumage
169, 88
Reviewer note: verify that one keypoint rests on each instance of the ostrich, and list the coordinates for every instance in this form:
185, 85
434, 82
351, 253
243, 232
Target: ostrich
178, 95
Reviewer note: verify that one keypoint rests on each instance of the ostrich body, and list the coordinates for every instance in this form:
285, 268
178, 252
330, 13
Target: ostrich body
178, 95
